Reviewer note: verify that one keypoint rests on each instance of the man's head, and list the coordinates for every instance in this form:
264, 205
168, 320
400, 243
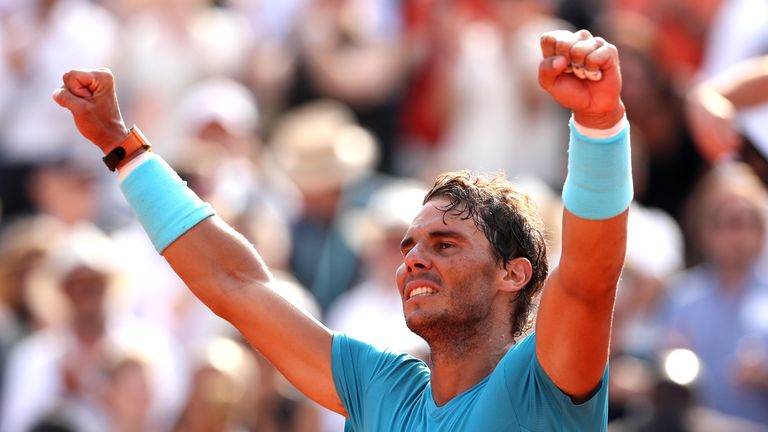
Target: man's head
81, 281
485, 216
727, 217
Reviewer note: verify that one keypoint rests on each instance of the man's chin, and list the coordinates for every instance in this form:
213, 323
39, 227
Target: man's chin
428, 327
418, 323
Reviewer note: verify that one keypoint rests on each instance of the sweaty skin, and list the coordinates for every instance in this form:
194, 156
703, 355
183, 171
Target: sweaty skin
574, 320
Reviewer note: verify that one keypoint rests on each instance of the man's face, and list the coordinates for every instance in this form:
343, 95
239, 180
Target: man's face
447, 275
85, 289
734, 233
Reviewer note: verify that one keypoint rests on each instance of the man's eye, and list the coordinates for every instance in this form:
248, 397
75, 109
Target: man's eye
444, 245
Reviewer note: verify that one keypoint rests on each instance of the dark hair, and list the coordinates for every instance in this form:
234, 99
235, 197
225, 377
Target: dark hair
509, 220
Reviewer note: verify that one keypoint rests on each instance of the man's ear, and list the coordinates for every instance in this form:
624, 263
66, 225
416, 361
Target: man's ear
517, 274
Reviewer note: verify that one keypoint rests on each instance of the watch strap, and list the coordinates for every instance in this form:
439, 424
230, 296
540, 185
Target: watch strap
134, 142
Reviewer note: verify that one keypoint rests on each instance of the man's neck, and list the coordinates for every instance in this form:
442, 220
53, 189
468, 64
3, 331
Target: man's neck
89, 332
732, 280
459, 365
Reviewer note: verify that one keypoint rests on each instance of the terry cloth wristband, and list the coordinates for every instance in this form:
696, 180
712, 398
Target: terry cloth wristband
163, 203
599, 182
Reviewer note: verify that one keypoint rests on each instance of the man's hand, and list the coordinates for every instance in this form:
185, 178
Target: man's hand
90, 96
595, 104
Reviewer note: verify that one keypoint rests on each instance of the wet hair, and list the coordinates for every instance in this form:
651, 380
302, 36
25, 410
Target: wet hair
509, 220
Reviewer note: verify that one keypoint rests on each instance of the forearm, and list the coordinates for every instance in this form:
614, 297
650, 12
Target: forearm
746, 85
597, 194
227, 274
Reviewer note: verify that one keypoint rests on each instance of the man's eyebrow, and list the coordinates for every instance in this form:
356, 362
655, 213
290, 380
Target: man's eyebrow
408, 241
446, 234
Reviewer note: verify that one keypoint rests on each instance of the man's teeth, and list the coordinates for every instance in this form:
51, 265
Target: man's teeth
421, 291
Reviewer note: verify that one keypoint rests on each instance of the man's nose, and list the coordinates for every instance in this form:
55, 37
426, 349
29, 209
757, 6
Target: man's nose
416, 259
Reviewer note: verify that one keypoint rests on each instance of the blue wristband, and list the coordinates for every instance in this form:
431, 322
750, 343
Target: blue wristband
163, 203
599, 182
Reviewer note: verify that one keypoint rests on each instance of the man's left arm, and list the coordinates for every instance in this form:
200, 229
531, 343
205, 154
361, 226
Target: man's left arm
573, 327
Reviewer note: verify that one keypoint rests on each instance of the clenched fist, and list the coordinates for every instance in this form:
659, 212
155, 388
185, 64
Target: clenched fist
90, 96
595, 102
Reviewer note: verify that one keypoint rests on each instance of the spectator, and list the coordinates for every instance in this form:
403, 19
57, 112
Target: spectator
493, 95
352, 51
60, 370
128, 395
719, 307
271, 67
178, 43
66, 189
217, 388
23, 246
330, 159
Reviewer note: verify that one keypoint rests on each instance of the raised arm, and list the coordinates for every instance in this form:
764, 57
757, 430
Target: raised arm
217, 264
712, 105
574, 320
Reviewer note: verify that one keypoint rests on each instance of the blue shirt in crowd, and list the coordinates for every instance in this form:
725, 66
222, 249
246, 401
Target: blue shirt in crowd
721, 326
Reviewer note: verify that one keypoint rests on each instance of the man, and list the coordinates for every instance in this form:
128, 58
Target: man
57, 374
717, 308
473, 260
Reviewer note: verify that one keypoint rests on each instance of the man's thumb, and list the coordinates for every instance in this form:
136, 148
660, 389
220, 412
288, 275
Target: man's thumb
550, 68
65, 98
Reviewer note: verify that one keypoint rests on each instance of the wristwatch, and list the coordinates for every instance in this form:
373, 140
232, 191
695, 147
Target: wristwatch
134, 142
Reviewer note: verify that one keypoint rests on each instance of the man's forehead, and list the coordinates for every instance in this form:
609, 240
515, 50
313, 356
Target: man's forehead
433, 215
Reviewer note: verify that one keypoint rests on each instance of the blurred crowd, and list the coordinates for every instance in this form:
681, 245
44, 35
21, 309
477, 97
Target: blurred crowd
314, 127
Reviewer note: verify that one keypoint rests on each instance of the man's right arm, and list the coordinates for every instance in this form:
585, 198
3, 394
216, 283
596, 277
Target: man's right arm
217, 264
227, 274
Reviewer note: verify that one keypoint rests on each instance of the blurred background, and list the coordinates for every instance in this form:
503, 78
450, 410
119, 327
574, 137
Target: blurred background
314, 127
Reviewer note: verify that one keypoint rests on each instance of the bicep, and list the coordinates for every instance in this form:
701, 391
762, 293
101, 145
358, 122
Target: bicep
224, 271
573, 326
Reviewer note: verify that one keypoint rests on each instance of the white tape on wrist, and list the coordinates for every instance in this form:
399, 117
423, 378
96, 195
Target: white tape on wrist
126, 169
